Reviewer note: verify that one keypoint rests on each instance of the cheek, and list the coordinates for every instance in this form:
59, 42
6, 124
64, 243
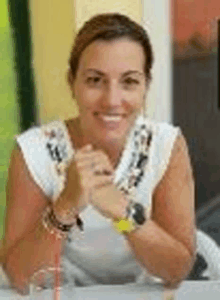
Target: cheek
134, 103
87, 99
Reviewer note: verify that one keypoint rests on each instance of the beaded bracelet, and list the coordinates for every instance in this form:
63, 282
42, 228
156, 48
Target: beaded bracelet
61, 230
57, 223
51, 229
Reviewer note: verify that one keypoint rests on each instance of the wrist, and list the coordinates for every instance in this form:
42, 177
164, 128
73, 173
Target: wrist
66, 200
136, 216
65, 214
60, 225
120, 211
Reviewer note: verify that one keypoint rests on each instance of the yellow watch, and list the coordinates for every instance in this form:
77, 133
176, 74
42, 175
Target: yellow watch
124, 226
135, 217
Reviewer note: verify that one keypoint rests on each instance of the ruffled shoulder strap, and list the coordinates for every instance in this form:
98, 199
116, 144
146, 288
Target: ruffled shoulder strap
165, 135
47, 151
146, 158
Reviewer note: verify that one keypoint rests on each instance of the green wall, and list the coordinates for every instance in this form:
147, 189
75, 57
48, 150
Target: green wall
8, 108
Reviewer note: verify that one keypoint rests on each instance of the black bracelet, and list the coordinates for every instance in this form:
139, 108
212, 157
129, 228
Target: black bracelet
63, 227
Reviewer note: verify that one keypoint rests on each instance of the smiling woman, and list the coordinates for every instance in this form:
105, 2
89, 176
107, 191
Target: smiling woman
123, 178
109, 88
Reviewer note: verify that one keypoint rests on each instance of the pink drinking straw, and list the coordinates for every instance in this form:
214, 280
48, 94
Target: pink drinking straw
57, 275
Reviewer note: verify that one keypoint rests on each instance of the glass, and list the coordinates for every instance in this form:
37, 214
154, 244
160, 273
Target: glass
51, 284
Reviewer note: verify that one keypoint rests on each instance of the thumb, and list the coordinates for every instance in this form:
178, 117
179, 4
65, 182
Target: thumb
87, 147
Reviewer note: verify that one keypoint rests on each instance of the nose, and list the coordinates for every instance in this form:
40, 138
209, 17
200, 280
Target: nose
113, 95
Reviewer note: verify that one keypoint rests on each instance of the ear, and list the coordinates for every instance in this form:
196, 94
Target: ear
144, 106
71, 81
70, 76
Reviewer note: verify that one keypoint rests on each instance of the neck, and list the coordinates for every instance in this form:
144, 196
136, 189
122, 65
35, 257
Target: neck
81, 137
112, 149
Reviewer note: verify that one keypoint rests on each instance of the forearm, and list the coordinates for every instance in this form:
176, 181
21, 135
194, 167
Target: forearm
36, 250
160, 253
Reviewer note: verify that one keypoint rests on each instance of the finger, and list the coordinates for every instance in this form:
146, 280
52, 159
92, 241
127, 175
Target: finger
101, 157
101, 169
82, 153
102, 172
94, 162
98, 169
85, 155
87, 164
85, 149
100, 181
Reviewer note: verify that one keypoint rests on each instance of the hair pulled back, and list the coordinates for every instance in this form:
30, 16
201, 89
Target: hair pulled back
109, 27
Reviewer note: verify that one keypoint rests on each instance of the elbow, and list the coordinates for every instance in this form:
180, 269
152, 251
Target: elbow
181, 272
15, 277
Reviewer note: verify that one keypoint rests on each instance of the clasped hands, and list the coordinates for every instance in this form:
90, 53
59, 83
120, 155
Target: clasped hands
96, 181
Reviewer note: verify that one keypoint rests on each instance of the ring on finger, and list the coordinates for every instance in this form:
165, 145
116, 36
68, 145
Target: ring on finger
99, 171
93, 165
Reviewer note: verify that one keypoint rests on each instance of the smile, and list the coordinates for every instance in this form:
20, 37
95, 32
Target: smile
111, 118
112, 121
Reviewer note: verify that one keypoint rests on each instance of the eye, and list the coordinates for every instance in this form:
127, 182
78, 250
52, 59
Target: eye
131, 81
93, 80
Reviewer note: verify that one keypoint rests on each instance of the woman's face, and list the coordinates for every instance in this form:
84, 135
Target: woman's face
109, 89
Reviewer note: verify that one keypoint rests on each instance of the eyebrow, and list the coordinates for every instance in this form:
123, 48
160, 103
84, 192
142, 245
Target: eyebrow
123, 74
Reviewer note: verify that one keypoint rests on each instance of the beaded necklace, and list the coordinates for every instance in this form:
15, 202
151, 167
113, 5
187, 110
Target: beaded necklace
59, 151
143, 138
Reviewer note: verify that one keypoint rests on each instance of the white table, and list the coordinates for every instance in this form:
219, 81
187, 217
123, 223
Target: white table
188, 290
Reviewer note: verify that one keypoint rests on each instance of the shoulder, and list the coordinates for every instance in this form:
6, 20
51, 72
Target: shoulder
163, 130
180, 158
159, 129
178, 162
172, 136
166, 141
163, 136
54, 129
46, 150
52, 137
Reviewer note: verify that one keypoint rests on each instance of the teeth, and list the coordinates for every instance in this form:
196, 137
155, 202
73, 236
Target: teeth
114, 118
111, 118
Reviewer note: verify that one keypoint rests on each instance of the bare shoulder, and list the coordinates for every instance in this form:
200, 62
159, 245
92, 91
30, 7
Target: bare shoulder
180, 147
179, 169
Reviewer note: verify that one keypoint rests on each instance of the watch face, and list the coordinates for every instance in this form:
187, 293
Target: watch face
136, 216
124, 226
139, 215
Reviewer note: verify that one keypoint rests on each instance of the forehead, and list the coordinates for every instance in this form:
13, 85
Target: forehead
119, 55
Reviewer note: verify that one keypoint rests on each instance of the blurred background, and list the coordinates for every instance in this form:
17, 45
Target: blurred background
36, 37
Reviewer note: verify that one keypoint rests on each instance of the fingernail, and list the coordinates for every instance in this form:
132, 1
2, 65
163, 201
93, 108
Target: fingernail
89, 147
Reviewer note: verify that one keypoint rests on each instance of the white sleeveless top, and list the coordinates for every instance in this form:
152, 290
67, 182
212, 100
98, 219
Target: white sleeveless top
101, 255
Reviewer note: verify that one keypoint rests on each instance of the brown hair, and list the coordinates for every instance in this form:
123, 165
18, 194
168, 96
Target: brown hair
109, 26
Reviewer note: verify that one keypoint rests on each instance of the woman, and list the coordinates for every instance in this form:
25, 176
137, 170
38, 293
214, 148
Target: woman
126, 178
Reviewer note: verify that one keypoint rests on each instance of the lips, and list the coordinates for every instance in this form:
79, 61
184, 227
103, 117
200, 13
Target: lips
110, 117
111, 121
113, 118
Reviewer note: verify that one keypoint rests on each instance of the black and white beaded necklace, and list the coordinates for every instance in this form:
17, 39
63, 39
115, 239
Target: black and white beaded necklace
140, 157
57, 147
